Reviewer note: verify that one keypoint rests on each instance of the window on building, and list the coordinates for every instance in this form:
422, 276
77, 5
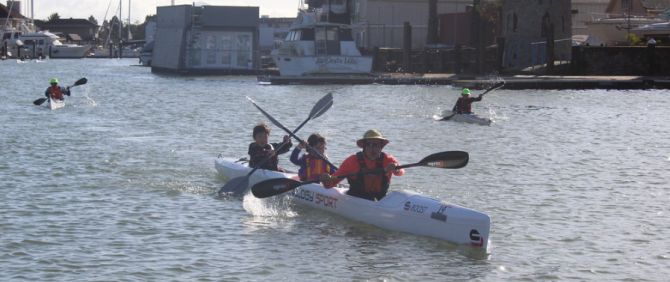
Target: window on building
509, 22
563, 23
226, 46
345, 35
331, 34
307, 34
546, 25
515, 21
243, 50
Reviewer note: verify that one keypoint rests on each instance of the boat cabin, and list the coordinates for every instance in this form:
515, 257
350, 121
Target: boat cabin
326, 40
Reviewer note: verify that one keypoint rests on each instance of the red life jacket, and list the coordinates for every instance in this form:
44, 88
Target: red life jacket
314, 166
56, 92
369, 186
464, 105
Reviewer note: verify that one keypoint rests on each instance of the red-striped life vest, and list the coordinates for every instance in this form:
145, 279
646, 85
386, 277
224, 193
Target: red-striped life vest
314, 166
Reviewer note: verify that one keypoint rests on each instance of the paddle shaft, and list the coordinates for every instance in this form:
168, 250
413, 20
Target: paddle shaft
276, 186
280, 125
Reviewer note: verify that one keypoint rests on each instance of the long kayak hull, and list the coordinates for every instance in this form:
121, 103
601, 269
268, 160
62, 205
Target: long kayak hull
403, 211
467, 118
55, 104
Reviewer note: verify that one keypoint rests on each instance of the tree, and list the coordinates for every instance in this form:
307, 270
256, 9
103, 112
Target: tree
93, 20
53, 17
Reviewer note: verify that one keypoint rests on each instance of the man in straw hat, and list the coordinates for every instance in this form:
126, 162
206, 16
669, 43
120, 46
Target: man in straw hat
372, 186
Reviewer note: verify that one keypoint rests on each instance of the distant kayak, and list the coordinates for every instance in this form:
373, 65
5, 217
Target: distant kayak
55, 104
467, 118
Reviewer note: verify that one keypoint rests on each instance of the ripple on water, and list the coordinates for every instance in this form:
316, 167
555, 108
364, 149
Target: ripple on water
120, 182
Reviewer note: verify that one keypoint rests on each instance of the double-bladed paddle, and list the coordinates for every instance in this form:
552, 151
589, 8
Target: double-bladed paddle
237, 186
81, 81
278, 124
494, 87
276, 186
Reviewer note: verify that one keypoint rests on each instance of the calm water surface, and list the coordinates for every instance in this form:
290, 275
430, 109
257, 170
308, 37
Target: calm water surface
120, 184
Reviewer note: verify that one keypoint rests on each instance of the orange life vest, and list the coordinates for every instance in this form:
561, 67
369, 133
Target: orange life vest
369, 186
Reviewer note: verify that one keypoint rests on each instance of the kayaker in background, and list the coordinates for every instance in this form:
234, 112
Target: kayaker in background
56, 92
464, 103
311, 165
368, 186
260, 150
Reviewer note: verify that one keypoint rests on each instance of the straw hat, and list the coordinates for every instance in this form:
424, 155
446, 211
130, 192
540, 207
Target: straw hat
371, 134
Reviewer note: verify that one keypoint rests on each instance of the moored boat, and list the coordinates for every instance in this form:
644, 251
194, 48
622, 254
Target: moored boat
55, 104
321, 42
467, 118
40, 45
403, 211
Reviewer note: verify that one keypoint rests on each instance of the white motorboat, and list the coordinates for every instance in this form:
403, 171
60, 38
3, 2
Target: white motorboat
320, 47
403, 211
41, 44
467, 118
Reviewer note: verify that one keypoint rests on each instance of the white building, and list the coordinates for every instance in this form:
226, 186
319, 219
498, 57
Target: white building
206, 39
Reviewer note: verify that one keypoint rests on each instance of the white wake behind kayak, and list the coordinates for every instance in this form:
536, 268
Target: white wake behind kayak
403, 211
55, 104
468, 118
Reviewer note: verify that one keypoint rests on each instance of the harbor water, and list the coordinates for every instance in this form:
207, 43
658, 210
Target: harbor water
120, 185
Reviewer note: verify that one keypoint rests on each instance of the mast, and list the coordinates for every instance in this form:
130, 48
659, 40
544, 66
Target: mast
120, 20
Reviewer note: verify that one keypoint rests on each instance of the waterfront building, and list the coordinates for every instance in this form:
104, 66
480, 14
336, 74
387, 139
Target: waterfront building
12, 20
206, 39
584, 11
83, 28
535, 32
379, 23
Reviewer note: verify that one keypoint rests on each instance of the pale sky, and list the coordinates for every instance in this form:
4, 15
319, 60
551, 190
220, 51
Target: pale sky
142, 8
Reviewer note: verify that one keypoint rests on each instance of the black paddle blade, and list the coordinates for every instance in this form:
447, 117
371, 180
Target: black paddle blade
81, 81
449, 116
448, 159
275, 186
321, 106
236, 186
39, 101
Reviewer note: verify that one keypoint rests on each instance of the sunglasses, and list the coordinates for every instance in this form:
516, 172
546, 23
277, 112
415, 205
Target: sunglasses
374, 144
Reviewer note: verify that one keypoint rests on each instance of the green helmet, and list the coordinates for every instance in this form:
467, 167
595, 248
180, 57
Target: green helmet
465, 92
53, 80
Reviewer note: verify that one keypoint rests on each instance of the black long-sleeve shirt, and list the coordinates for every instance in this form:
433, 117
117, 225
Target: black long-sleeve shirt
259, 154
464, 104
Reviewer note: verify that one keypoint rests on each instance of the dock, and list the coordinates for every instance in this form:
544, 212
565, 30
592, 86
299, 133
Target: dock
516, 82
392, 79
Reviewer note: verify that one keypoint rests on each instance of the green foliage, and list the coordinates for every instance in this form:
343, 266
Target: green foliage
634, 39
53, 17
93, 20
